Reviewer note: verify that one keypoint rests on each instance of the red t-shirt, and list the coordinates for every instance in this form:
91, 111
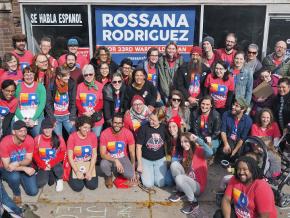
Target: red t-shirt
151, 75
82, 148
8, 106
277, 62
53, 62
44, 153
16, 153
61, 103
117, 143
81, 60
218, 89
228, 58
90, 99
253, 199
17, 76
25, 59
272, 131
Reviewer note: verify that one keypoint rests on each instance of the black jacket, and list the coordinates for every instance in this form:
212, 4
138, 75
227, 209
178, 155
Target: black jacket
109, 100
50, 96
183, 78
214, 123
286, 110
148, 92
113, 66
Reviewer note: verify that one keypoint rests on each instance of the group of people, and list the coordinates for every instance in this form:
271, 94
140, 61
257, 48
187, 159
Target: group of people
165, 119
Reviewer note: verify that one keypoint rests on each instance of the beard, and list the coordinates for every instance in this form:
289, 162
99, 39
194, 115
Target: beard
71, 65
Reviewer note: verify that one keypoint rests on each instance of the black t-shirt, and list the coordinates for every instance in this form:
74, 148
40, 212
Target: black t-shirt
152, 141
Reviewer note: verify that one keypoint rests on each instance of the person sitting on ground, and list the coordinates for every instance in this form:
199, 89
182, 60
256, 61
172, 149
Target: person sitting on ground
150, 151
206, 123
235, 128
114, 143
16, 152
190, 175
251, 194
82, 156
49, 151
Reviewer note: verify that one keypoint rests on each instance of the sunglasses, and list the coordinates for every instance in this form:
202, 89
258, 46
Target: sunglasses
89, 74
252, 52
117, 81
176, 99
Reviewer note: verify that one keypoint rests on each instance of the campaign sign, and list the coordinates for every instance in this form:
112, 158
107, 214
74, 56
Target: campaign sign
129, 32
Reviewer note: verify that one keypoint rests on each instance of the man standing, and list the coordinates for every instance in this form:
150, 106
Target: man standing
235, 128
75, 72
278, 62
252, 62
45, 47
227, 54
25, 57
190, 77
113, 149
72, 46
16, 156
209, 56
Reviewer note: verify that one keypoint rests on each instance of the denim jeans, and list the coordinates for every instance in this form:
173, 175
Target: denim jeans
6, 200
215, 143
153, 172
15, 178
97, 130
63, 121
169, 181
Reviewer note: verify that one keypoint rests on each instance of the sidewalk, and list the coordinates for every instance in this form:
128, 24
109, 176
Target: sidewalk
123, 203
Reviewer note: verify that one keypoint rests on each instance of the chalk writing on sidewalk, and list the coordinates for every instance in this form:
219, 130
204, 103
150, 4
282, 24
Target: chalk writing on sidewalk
81, 212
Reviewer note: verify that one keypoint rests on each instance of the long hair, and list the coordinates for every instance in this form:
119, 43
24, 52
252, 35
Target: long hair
97, 54
187, 162
182, 102
252, 165
170, 142
4, 85
225, 66
99, 76
8, 57
259, 116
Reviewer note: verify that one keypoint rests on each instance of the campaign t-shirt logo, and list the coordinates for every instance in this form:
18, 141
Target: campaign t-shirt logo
88, 100
194, 87
155, 142
83, 152
17, 156
116, 149
152, 78
241, 203
28, 99
4, 110
47, 154
218, 89
61, 102
23, 65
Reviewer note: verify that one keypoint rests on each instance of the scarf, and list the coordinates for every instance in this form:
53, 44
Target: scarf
142, 117
91, 85
61, 86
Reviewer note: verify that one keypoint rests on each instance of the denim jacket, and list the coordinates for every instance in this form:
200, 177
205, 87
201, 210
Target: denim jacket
244, 84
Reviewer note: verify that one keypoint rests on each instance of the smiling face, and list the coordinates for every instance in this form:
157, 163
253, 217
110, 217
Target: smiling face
283, 88
45, 47
117, 124
171, 50
42, 62
103, 56
205, 106
104, 70
185, 143
64, 78
244, 173
220, 71
8, 92
84, 129
71, 61
173, 129
153, 120
265, 119
20, 45
239, 61
265, 76
28, 77
139, 78
230, 42
73, 49
175, 101
153, 57
138, 106
117, 82
12, 64
280, 49
47, 132
206, 46
20, 134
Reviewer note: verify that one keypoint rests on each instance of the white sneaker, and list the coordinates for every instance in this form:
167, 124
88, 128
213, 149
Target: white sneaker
59, 185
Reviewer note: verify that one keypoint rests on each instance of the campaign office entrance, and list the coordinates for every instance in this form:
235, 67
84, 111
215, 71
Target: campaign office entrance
129, 28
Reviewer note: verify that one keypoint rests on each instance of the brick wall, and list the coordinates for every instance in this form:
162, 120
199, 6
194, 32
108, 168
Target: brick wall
9, 25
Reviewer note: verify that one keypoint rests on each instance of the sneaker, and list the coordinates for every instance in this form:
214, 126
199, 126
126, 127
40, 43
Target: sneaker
59, 185
190, 208
17, 199
109, 182
176, 197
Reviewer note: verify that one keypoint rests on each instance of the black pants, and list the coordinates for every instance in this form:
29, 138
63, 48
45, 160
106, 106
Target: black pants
43, 176
223, 156
78, 184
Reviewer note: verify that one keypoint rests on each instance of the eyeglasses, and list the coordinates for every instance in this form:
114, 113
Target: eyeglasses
280, 47
117, 81
89, 74
104, 68
252, 52
230, 41
176, 99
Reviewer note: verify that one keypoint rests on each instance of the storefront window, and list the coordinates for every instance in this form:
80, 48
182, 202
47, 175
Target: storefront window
246, 21
59, 22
